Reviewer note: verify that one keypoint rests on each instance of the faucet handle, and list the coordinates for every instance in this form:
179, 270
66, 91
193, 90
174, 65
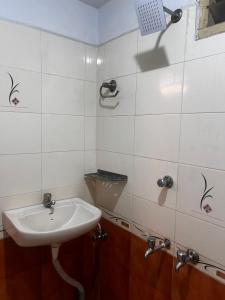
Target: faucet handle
184, 257
165, 244
47, 200
193, 256
151, 241
165, 182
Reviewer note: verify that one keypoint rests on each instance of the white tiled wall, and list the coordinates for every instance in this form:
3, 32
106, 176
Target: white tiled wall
170, 121
47, 141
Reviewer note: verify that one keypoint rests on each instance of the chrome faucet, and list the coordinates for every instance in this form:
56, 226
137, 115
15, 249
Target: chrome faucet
152, 248
184, 257
165, 182
48, 202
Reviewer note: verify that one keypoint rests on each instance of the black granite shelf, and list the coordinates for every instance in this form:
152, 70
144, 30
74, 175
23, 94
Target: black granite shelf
106, 176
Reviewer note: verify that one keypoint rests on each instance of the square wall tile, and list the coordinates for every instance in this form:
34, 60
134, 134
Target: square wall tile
117, 163
90, 162
116, 135
204, 199
29, 90
20, 133
202, 140
203, 81
100, 133
203, 47
146, 174
101, 64
160, 91
20, 46
126, 98
62, 95
206, 238
91, 63
162, 49
62, 56
20, 174
154, 217
90, 133
120, 56
90, 95
123, 206
62, 169
62, 133
157, 136
65, 192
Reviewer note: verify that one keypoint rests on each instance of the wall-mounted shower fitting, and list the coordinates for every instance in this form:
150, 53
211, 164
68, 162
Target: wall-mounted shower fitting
184, 257
100, 234
151, 15
152, 248
165, 182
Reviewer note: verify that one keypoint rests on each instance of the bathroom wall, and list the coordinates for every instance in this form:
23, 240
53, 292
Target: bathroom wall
118, 17
47, 115
169, 121
70, 18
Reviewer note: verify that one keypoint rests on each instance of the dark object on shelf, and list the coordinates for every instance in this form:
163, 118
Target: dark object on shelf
106, 176
111, 86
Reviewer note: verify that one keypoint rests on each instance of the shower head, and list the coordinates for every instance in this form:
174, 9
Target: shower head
151, 15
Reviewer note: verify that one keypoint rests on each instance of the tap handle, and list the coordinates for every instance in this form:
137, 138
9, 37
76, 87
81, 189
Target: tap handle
151, 241
182, 256
193, 256
165, 182
165, 244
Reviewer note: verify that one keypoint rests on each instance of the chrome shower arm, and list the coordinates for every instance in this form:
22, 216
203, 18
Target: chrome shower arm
175, 15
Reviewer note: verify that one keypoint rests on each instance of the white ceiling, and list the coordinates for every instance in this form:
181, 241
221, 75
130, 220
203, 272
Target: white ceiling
95, 3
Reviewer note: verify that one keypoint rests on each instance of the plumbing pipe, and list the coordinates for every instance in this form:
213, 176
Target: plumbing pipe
62, 273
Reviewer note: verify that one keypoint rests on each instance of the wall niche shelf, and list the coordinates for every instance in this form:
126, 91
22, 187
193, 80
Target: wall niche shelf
106, 176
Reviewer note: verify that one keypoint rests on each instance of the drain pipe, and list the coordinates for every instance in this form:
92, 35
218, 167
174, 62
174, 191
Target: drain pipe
62, 273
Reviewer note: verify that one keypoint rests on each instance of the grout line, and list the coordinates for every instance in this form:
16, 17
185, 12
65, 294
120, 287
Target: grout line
161, 160
47, 73
161, 114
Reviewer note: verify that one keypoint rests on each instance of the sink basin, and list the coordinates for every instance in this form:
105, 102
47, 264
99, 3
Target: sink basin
36, 226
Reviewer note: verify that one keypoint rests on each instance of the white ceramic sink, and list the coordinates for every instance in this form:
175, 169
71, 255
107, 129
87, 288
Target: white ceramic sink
35, 226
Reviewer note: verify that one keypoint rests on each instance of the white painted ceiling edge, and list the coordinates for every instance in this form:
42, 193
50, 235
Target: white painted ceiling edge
77, 20
118, 17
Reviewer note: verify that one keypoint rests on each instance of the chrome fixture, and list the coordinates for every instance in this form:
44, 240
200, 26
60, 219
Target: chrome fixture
176, 15
100, 234
165, 182
111, 86
152, 248
151, 16
184, 257
48, 202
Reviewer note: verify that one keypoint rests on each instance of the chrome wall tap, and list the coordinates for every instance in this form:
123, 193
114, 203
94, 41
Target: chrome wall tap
184, 257
152, 248
47, 200
165, 182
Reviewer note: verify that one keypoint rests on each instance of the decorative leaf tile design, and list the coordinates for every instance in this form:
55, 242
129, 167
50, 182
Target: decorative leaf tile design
13, 101
206, 194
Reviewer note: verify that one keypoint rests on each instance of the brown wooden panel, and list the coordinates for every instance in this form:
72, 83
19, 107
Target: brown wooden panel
191, 284
114, 269
156, 271
141, 290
